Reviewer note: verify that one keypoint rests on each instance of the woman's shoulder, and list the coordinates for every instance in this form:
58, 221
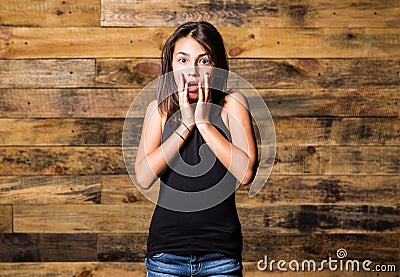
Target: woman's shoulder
235, 100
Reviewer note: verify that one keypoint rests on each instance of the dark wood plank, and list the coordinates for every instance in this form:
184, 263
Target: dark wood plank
52, 73
268, 73
289, 219
115, 103
61, 160
309, 159
108, 132
6, 219
254, 13
382, 248
52, 189
256, 42
49, 13
335, 160
289, 189
25, 247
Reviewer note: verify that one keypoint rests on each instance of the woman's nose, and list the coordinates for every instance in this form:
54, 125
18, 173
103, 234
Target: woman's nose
193, 71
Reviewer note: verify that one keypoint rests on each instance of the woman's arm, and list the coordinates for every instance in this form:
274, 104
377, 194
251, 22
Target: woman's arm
240, 155
153, 157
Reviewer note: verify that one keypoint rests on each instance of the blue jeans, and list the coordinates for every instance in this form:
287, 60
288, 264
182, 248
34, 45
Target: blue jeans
169, 265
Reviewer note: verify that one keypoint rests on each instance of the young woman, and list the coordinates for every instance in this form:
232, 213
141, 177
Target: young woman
196, 137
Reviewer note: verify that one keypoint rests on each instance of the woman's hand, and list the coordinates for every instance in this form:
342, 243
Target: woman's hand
202, 113
187, 116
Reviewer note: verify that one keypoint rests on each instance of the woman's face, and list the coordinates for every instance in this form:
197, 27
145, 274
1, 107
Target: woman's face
191, 60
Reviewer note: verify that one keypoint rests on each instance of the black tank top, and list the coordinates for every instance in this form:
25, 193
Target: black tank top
176, 230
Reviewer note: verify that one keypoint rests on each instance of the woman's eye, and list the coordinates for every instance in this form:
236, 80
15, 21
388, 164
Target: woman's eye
182, 60
204, 61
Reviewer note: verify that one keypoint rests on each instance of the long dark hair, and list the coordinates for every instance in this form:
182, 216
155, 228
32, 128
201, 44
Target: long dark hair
211, 40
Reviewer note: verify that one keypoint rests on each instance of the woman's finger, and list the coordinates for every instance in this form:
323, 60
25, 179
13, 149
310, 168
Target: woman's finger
201, 95
206, 86
185, 94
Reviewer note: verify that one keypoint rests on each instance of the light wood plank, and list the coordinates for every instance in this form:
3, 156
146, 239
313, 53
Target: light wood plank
46, 73
256, 42
50, 189
306, 159
24, 247
255, 13
49, 13
115, 103
6, 218
73, 218
286, 219
61, 103
280, 190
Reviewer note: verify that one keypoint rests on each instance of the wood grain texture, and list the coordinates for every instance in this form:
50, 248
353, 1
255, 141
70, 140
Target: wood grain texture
68, 269
46, 73
251, 13
306, 159
378, 247
62, 103
50, 189
24, 247
115, 103
280, 190
336, 160
108, 132
259, 42
287, 219
6, 218
49, 13
268, 73
72, 218
136, 269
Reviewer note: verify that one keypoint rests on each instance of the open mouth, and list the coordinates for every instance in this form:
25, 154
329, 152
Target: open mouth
193, 87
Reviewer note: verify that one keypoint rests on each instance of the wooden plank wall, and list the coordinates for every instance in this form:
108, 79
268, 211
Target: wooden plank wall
328, 71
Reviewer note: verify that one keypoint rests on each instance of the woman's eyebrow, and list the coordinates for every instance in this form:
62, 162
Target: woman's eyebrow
186, 54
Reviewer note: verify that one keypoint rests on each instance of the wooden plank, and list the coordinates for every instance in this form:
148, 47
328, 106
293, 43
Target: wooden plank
335, 160
6, 219
108, 132
288, 219
308, 159
52, 189
115, 103
49, 13
24, 247
82, 42
382, 248
73, 218
280, 190
68, 269
268, 73
61, 160
46, 73
230, 13
48, 132
136, 269
56, 103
